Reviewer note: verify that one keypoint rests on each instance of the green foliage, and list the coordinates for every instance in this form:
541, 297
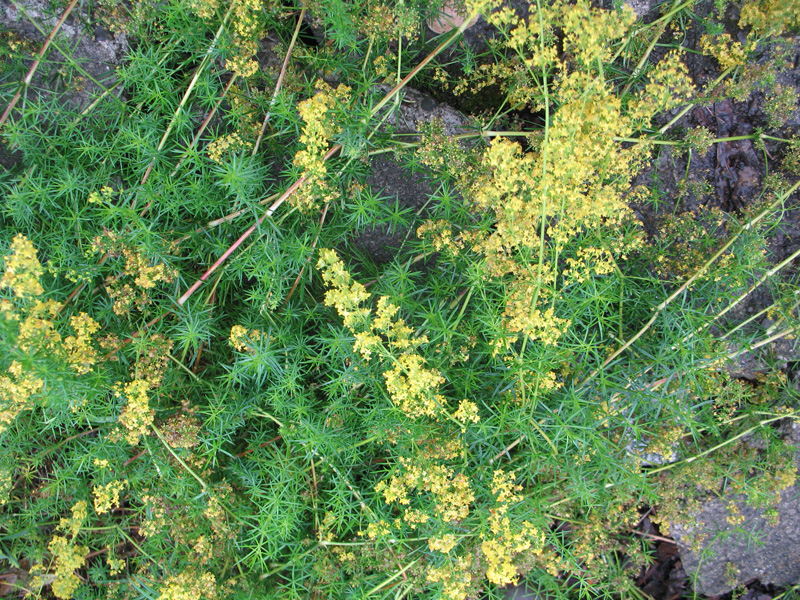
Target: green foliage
498, 400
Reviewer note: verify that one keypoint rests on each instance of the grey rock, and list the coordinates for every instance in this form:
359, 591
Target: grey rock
525, 591
391, 180
97, 52
720, 555
416, 109
640, 7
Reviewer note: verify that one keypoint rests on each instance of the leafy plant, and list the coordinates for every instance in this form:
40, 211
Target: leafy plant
211, 392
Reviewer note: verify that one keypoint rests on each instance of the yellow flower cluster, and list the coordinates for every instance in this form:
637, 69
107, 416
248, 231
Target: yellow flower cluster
505, 541
81, 355
411, 385
440, 235
115, 565
669, 86
588, 262
68, 557
138, 270
242, 340
246, 26
770, 17
205, 9
467, 412
343, 293
590, 32
75, 522
598, 534
443, 544
729, 53
442, 153
189, 585
102, 197
454, 576
382, 21
451, 492
225, 144
23, 269
106, 497
16, 390
317, 113
136, 417
36, 331
245, 107
6, 484
547, 200
152, 359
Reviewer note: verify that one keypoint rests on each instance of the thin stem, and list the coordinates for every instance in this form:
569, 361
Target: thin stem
206, 60
689, 106
179, 459
660, 308
769, 274
205, 123
727, 442
29, 77
300, 181
280, 79
308, 258
268, 213
400, 573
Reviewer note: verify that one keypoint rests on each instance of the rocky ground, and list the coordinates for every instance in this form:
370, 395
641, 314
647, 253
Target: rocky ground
755, 560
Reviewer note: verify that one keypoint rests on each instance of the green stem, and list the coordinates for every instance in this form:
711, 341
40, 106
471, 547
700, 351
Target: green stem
179, 459
727, 442
660, 308
689, 106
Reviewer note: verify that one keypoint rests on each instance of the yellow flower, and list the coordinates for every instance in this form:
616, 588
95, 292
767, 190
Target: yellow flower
189, 585
23, 269
412, 387
73, 525
454, 576
80, 353
106, 497
443, 544
467, 411
136, 417
504, 541
16, 392
69, 558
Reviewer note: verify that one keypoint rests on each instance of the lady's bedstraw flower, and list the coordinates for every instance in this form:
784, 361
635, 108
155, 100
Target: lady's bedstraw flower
443, 544
412, 386
455, 578
343, 293
81, 355
189, 585
133, 286
23, 269
467, 412
106, 497
320, 127
16, 392
136, 417
69, 557
505, 539
241, 339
